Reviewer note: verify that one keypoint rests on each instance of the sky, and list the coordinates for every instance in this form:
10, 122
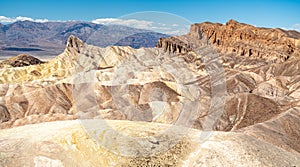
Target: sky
262, 13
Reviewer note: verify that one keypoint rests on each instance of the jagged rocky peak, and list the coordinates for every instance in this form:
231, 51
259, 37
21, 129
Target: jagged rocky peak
75, 43
242, 39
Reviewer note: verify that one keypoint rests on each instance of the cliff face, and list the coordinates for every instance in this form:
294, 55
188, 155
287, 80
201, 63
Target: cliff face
241, 40
173, 44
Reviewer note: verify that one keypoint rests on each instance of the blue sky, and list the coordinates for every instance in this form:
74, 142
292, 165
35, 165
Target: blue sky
264, 13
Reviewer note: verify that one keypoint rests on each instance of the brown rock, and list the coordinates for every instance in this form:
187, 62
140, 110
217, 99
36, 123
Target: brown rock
20, 61
242, 40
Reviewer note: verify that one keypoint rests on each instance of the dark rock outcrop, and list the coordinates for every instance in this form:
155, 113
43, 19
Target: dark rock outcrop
20, 61
173, 44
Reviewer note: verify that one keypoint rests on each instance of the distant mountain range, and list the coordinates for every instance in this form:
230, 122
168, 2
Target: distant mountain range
49, 39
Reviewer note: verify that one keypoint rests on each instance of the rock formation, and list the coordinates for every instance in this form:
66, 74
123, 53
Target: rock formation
20, 61
196, 80
242, 40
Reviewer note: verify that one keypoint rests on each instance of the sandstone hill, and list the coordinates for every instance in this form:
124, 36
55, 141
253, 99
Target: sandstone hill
249, 102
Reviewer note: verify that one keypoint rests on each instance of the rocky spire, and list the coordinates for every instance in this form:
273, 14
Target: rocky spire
74, 43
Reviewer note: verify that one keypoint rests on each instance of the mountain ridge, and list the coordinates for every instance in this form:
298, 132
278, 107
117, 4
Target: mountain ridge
49, 38
241, 39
